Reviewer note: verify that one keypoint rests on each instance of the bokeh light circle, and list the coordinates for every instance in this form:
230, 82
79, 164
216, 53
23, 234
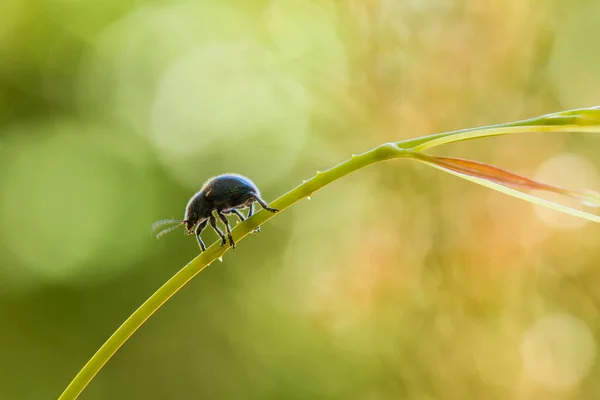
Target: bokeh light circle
67, 188
229, 101
558, 351
211, 97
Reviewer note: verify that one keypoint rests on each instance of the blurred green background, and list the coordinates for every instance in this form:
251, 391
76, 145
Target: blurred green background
397, 282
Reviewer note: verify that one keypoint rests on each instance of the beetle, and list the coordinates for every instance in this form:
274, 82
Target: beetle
222, 194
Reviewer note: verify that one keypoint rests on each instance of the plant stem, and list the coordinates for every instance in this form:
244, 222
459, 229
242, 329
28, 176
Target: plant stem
321, 179
576, 118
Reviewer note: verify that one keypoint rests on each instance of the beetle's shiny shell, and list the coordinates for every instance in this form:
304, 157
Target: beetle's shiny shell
228, 186
220, 193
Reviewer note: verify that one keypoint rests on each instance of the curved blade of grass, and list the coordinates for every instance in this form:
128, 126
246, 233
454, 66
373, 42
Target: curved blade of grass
581, 117
384, 152
500, 176
488, 132
512, 192
573, 118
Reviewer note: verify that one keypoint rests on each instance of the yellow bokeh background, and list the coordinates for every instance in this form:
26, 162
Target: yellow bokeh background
397, 282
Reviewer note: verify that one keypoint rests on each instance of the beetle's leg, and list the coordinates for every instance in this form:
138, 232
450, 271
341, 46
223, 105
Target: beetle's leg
213, 223
250, 212
199, 228
236, 212
241, 216
263, 204
224, 219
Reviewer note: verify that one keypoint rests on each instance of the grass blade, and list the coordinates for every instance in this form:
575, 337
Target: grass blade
509, 191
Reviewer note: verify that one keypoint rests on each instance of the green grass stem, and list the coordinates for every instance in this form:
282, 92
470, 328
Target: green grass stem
574, 120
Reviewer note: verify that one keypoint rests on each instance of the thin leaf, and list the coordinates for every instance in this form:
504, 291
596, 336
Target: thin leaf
429, 160
478, 169
488, 132
581, 117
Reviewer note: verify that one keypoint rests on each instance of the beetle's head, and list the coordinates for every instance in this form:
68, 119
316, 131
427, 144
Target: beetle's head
196, 210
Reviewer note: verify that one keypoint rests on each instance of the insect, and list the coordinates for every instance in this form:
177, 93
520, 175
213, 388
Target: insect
222, 194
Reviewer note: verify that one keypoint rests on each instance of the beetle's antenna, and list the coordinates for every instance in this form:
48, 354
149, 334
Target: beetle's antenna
158, 224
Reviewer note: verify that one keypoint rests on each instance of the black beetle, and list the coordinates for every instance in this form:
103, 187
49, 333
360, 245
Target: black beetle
225, 194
